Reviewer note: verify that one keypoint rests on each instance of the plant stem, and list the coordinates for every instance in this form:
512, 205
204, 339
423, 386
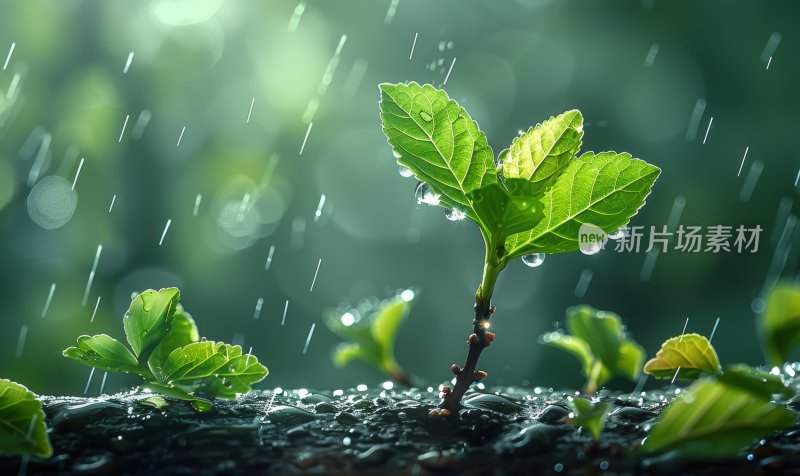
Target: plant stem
493, 265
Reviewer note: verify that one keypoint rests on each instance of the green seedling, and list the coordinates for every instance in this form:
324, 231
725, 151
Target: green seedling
167, 353
371, 329
532, 201
588, 415
600, 343
22, 427
779, 324
715, 418
685, 357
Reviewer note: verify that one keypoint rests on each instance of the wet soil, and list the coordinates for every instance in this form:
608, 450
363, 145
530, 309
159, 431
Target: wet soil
500, 431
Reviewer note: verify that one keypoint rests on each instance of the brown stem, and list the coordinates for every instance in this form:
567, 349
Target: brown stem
466, 376
401, 378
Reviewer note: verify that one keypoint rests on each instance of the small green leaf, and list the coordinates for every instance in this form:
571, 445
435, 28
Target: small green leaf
755, 381
607, 339
147, 320
780, 323
215, 368
604, 189
104, 352
545, 150
156, 401
692, 353
437, 140
504, 212
591, 416
199, 404
371, 337
22, 427
182, 331
575, 346
713, 419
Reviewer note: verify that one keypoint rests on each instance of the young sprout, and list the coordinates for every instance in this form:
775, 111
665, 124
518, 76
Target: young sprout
779, 325
588, 415
599, 341
371, 329
533, 200
167, 353
686, 357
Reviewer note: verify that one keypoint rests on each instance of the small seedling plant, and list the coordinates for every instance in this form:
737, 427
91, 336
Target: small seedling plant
167, 353
530, 201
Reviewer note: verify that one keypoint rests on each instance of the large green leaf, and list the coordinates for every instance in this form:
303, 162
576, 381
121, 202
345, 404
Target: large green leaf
755, 381
545, 150
22, 427
437, 140
104, 352
504, 212
780, 323
216, 368
182, 331
713, 419
604, 189
591, 416
147, 320
693, 354
607, 339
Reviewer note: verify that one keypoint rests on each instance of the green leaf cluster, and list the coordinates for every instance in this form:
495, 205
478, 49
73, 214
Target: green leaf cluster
370, 331
540, 191
589, 415
22, 427
600, 343
166, 351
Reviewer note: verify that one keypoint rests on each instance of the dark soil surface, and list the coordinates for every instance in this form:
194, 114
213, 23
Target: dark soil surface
503, 431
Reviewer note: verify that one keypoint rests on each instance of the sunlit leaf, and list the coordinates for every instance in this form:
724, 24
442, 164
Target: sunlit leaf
147, 320
437, 140
104, 352
543, 152
604, 189
22, 427
575, 346
780, 322
693, 354
713, 419
591, 416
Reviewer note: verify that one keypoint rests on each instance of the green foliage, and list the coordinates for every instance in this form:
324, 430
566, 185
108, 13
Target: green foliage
167, 353
22, 427
755, 381
780, 323
371, 332
591, 416
546, 191
693, 354
715, 419
599, 341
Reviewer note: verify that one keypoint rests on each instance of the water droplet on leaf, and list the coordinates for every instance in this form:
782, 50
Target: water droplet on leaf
424, 194
616, 235
405, 171
455, 214
533, 260
425, 115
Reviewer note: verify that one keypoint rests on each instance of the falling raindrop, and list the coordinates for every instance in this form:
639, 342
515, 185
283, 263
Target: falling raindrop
455, 214
426, 195
533, 260
405, 171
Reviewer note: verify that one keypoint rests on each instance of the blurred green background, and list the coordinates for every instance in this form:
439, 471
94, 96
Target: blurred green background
637, 70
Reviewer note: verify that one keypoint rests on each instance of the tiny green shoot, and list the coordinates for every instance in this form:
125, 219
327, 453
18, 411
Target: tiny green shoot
167, 353
685, 357
600, 343
22, 426
588, 415
532, 199
370, 331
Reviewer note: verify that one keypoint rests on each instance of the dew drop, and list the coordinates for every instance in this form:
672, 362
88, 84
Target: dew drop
425, 195
425, 115
455, 214
617, 235
405, 171
396, 154
533, 260
591, 248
